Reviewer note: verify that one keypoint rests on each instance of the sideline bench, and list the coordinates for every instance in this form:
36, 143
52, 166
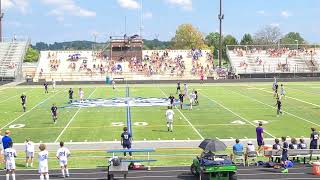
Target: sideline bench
294, 153
123, 168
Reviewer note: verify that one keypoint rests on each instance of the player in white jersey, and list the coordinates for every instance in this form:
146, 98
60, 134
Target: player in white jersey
169, 116
81, 95
63, 154
282, 91
29, 149
43, 162
192, 96
53, 84
10, 155
185, 90
113, 85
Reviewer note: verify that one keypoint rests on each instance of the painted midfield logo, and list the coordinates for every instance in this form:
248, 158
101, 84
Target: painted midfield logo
122, 102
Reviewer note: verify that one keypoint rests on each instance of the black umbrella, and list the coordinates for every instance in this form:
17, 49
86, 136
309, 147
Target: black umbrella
213, 145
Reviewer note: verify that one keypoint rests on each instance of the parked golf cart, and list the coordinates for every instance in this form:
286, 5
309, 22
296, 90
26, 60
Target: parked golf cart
211, 166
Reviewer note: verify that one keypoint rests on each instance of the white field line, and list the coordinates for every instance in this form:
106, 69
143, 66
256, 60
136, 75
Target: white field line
64, 129
291, 98
31, 109
14, 96
192, 126
234, 113
276, 108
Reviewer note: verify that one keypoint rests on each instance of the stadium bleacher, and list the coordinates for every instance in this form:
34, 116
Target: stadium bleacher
11, 58
92, 66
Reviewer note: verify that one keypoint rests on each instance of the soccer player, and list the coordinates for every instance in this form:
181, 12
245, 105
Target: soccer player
43, 162
279, 105
282, 92
45, 87
171, 98
178, 88
314, 139
181, 96
70, 95
10, 155
275, 89
196, 98
53, 84
126, 140
192, 96
284, 156
29, 149
113, 85
169, 116
23, 101
54, 113
1, 148
81, 95
260, 138
185, 89
63, 154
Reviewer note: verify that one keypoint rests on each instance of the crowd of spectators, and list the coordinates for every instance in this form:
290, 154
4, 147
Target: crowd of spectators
54, 62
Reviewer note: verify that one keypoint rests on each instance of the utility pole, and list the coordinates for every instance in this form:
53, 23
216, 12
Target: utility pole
220, 17
1, 17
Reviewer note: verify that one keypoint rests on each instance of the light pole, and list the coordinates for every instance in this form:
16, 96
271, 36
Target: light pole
220, 17
297, 42
1, 17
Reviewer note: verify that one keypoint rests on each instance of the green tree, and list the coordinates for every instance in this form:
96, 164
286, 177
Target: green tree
212, 40
32, 55
293, 38
246, 39
230, 40
188, 37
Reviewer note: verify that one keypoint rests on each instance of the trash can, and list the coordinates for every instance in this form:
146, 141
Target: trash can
107, 80
316, 168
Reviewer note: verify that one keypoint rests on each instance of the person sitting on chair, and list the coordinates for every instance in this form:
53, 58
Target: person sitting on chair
237, 149
250, 150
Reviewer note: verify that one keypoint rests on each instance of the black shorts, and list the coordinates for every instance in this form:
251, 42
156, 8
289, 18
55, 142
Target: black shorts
260, 142
313, 146
284, 157
70, 97
126, 146
23, 103
181, 101
54, 114
178, 88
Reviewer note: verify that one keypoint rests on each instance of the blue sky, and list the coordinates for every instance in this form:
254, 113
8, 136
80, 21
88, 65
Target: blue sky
66, 20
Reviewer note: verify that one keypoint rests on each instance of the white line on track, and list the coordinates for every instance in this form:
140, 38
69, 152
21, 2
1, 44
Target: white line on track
192, 126
14, 96
290, 98
31, 109
234, 113
64, 129
254, 99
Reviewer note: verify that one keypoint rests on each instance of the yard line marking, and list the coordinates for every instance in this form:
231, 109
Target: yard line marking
64, 129
185, 118
31, 109
291, 98
276, 108
14, 96
234, 113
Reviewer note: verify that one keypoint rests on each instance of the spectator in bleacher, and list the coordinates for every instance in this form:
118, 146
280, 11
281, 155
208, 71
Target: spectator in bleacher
314, 139
302, 144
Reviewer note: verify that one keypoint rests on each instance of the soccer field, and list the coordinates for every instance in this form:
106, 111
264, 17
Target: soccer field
225, 111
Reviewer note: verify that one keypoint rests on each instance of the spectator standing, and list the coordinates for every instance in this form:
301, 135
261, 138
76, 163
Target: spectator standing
6, 139
260, 138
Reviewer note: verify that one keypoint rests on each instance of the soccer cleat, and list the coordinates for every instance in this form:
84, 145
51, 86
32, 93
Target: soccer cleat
168, 129
285, 171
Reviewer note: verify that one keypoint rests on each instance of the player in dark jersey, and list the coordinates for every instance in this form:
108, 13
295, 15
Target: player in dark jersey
23, 102
279, 106
196, 98
314, 139
45, 87
171, 98
284, 156
178, 88
126, 140
54, 113
70, 95
275, 89
181, 96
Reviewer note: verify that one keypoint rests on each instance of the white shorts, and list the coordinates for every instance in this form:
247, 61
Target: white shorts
29, 154
170, 121
43, 169
81, 97
191, 101
63, 162
10, 165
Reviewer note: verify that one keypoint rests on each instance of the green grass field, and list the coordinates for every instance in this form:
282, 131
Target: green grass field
220, 105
